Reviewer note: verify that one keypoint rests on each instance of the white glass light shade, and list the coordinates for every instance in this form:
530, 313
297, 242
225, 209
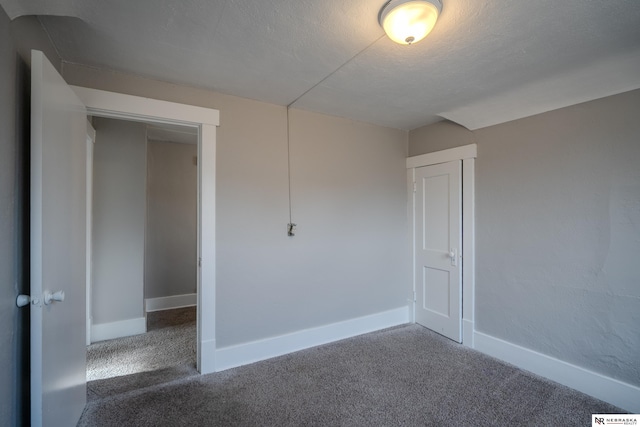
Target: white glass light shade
407, 21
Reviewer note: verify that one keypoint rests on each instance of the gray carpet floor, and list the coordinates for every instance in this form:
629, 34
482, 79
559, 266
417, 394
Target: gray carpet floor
403, 376
170, 341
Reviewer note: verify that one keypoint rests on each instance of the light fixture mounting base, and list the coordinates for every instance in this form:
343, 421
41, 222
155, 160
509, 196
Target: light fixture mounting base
392, 4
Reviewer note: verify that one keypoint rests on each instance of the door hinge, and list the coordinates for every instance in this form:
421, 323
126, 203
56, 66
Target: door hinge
415, 187
199, 262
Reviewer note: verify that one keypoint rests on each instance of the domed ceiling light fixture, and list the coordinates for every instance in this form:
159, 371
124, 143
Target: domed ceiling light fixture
409, 21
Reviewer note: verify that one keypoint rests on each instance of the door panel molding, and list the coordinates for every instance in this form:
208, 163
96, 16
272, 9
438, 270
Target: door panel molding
438, 228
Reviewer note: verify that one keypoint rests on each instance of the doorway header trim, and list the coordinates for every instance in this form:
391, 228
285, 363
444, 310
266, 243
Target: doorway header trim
458, 153
117, 105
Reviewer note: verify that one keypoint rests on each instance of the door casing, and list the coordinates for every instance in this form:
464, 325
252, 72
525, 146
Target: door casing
467, 154
128, 107
91, 139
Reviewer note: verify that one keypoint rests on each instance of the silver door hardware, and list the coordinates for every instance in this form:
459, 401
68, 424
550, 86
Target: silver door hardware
452, 255
51, 297
48, 298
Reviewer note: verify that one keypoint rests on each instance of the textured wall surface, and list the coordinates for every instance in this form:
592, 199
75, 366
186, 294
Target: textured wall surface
558, 234
171, 228
350, 256
119, 205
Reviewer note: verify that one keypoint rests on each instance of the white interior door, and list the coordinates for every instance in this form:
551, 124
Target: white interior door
438, 244
58, 227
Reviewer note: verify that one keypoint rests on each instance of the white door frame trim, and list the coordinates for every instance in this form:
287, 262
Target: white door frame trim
467, 154
91, 139
120, 106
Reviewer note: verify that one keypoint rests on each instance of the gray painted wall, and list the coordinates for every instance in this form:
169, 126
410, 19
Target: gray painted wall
439, 136
171, 233
350, 257
558, 231
119, 193
28, 34
12, 146
16, 39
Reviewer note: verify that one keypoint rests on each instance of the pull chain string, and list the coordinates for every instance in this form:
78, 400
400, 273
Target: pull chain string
336, 70
297, 99
289, 166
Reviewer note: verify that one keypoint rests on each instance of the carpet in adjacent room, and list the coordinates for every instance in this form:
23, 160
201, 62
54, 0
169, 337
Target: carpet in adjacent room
168, 346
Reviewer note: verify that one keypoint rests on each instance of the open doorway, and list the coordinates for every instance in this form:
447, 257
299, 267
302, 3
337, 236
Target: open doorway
143, 292
116, 105
58, 212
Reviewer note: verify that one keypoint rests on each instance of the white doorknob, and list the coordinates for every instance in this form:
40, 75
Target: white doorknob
23, 300
50, 297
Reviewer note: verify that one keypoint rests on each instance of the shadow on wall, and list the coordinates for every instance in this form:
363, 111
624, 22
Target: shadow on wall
439, 136
22, 236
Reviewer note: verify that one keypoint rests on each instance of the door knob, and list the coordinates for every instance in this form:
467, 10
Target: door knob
50, 297
23, 300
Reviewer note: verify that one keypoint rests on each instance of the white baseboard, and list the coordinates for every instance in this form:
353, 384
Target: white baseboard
623, 395
123, 328
167, 303
243, 354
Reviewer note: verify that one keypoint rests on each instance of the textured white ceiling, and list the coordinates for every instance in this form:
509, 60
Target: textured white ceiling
486, 62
